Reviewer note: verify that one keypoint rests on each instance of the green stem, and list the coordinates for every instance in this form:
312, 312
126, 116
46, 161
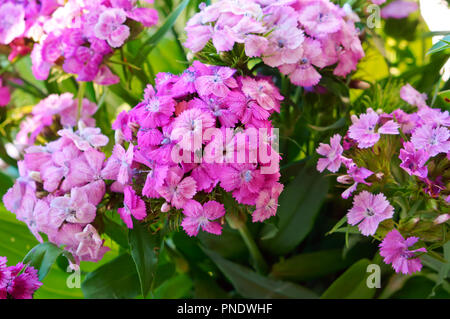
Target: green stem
81, 90
259, 262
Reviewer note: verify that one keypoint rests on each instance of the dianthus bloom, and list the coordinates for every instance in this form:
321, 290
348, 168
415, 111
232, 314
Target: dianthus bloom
368, 211
298, 37
80, 35
17, 282
395, 250
62, 182
406, 156
192, 138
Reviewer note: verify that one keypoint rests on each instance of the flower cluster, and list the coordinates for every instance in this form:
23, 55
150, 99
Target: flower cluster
74, 34
297, 37
196, 131
17, 282
59, 187
380, 146
58, 110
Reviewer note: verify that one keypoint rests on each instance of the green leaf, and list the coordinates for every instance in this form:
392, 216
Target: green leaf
5, 183
351, 284
114, 280
155, 38
142, 245
42, 257
299, 204
338, 124
442, 45
249, 284
310, 265
115, 232
175, 288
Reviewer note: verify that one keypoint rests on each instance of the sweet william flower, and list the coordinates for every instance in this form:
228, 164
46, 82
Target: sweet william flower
412, 96
332, 153
202, 217
267, 202
110, 27
22, 284
176, 189
85, 137
90, 242
12, 22
118, 166
133, 206
368, 211
434, 140
5, 273
413, 161
75, 209
218, 82
394, 249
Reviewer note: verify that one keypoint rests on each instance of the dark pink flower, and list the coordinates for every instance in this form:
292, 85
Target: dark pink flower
133, 206
201, 217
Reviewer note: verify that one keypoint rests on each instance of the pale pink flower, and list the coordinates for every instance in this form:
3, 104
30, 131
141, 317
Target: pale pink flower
332, 153
110, 27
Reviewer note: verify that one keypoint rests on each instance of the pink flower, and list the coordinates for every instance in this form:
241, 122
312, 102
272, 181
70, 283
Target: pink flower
198, 216
118, 166
133, 205
398, 9
267, 202
110, 27
85, 137
86, 168
319, 18
332, 153
12, 22
75, 209
90, 242
218, 82
433, 140
368, 211
364, 129
413, 161
263, 91
176, 189
356, 175
394, 249
412, 96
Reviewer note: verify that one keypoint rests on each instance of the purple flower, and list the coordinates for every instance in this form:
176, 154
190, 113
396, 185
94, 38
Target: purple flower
413, 161
368, 211
110, 27
432, 139
332, 153
364, 129
394, 249
198, 216
133, 205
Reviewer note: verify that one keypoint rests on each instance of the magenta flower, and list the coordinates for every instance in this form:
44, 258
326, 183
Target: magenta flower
75, 209
434, 140
133, 205
123, 124
22, 284
364, 129
394, 249
5, 274
176, 189
356, 175
368, 211
413, 161
198, 216
110, 27
5, 95
118, 166
218, 82
155, 110
332, 153
12, 22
